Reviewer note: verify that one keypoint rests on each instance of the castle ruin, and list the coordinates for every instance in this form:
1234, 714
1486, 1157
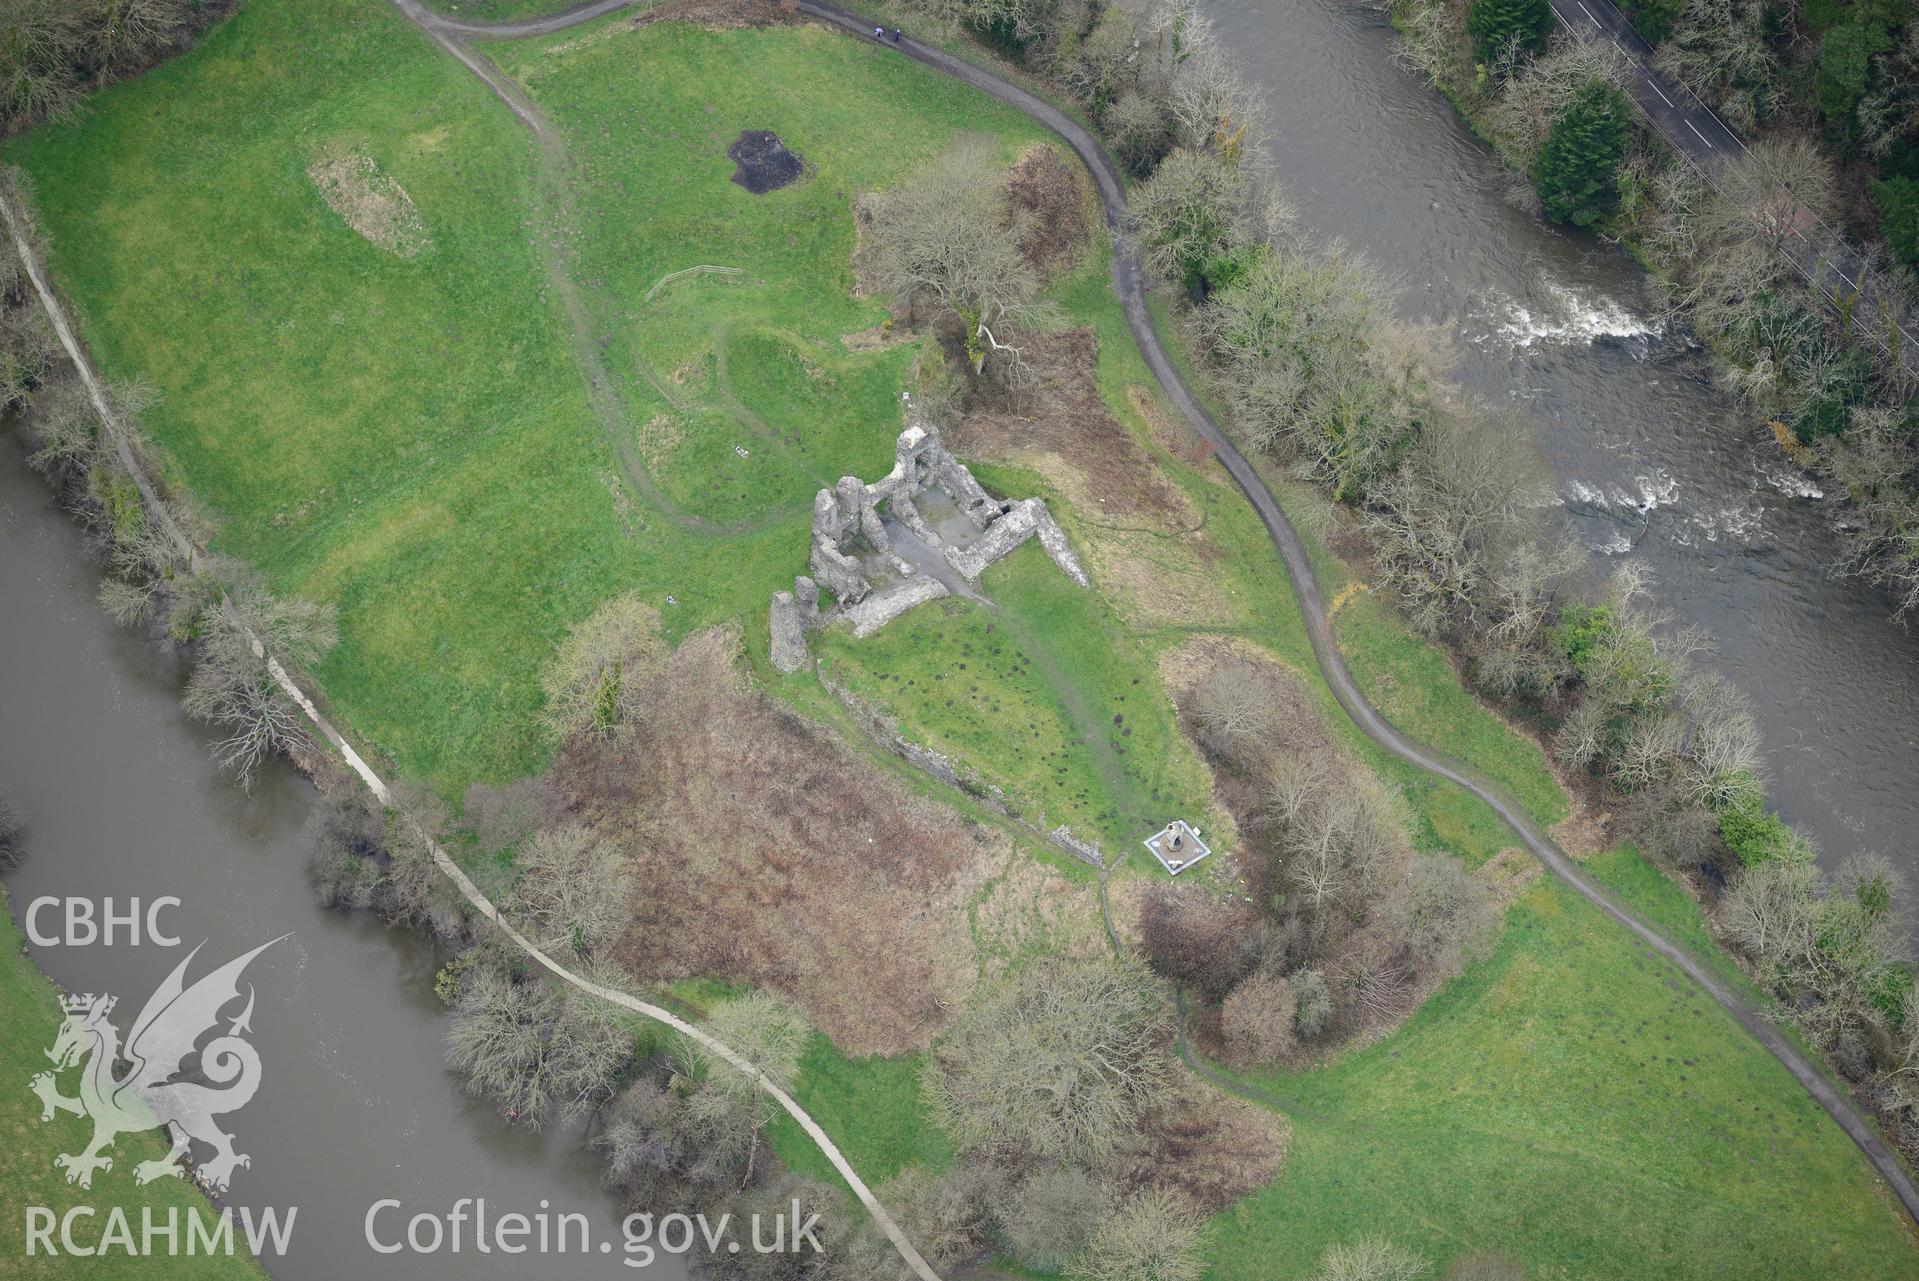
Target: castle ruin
923, 531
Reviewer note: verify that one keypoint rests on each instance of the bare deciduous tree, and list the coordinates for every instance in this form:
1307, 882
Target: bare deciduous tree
1293, 782
1437, 907
414, 821
600, 670
575, 891
1051, 1216
1192, 211
1772, 909
39, 50
1258, 1019
26, 345
949, 1216
729, 1109
1719, 49
1092, 55
534, 1048
1463, 498
1197, 939
65, 433
948, 234
1214, 107
13, 828
1139, 130
1721, 746
1235, 712
344, 861
1434, 44
1338, 847
1354, 401
1056, 1062
233, 688
1154, 1237
1370, 1259
1767, 193
1881, 477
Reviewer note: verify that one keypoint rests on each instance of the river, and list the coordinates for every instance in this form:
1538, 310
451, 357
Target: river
1650, 461
355, 1103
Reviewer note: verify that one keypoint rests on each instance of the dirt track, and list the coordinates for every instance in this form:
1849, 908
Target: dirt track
1129, 286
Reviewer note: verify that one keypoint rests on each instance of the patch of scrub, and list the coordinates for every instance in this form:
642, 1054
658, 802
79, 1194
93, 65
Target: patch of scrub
764, 162
371, 202
767, 852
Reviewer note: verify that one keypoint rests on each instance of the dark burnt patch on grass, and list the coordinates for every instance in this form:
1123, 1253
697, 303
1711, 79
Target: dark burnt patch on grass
764, 162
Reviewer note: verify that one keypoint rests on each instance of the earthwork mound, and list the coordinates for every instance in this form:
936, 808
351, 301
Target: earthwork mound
371, 203
764, 162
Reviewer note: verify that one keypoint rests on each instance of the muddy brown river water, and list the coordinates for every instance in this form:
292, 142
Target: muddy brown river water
1650, 461
355, 1103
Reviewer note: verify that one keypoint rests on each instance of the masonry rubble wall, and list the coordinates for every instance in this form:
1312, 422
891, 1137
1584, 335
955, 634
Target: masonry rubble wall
881, 608
849, 511
788, 650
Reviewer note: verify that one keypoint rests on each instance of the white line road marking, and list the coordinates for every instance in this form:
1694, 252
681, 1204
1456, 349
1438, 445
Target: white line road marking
1695, 133
1661, 92
1589, 14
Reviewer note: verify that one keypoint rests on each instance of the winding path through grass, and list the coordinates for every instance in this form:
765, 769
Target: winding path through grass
605, 397
1130, 287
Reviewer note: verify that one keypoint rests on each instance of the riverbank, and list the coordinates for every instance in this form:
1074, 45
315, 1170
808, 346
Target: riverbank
122, 799
1650, 463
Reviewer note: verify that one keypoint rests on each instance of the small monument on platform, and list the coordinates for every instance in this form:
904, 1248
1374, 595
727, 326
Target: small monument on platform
1177, 846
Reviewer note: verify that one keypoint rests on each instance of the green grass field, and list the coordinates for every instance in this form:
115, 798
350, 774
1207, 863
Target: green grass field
413, 441
497, 10
1572, 1102
1045, 691
874, 1110
30, 1012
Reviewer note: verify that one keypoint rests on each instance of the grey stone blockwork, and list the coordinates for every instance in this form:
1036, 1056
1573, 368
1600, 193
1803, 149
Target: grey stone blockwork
850, 535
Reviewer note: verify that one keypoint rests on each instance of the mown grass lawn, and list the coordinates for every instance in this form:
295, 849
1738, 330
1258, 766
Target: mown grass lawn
499, 10
1575, 1103
874, 1110
30, 1013
1043, 692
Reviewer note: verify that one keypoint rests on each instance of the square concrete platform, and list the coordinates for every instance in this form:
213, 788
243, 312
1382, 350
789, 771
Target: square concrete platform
1177, 846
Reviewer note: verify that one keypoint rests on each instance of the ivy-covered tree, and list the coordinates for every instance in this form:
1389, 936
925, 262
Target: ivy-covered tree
1898, 202
1845, 67
1496, 24
1577, 170
1653, 19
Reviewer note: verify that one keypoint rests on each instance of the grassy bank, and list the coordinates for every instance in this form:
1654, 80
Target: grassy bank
30, 1011
1570, 1101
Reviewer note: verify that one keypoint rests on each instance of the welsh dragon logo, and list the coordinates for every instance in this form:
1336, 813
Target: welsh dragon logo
147, 1094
